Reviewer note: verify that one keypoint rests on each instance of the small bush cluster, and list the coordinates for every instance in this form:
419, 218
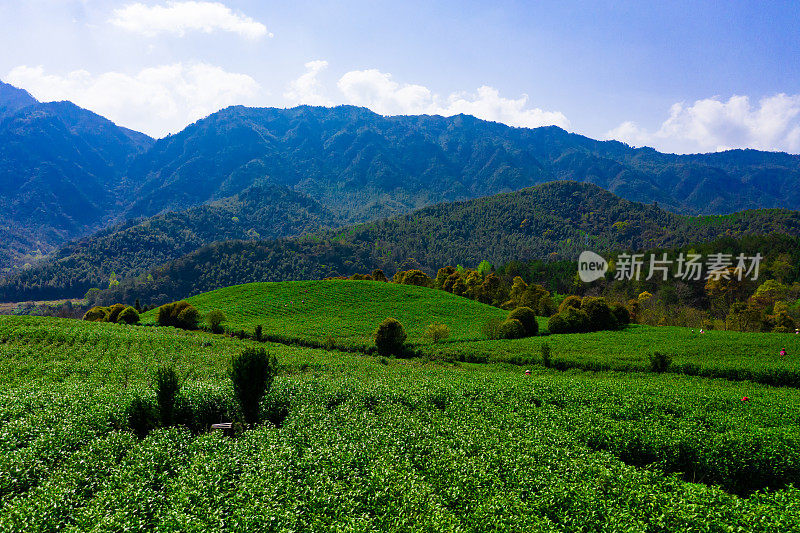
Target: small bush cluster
591, 313
520, 322
117, 313
178, 314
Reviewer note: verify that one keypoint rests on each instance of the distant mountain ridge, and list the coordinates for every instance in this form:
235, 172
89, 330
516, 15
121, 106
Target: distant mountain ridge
370, 166
66, 172
555, 220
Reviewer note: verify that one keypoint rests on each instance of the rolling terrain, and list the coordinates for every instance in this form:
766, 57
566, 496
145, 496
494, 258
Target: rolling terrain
555, 221
347, 311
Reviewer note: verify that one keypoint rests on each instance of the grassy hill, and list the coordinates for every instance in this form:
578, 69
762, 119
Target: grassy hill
348, 311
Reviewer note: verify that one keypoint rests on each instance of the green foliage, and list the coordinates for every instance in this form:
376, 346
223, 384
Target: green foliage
258, 333
178, 314
570, 320
252, 373
527, 318
129, 315
600, 315
97, 314
215, 318
660, 362
437, 332
511, 328
390, 337
621, 314
167, 385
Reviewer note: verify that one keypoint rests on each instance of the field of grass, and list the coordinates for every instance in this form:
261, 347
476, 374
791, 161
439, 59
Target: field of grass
728, 354
349, 311
380, 445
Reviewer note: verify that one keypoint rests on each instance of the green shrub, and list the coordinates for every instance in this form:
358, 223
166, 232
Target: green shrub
142, 417
178, 314
570, 301
96, 314
390, 337
215, 318
437, 332
622, 315
570, 320
378, 275
114, 311
527, 317
511, 328
129, 315
660, 362
258, 332
167, 385
600, 316
252, 373
547, 360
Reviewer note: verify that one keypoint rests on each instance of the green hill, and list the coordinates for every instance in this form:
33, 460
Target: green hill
554, 220
348, 311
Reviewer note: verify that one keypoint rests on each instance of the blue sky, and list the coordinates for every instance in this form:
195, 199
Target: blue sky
679, 76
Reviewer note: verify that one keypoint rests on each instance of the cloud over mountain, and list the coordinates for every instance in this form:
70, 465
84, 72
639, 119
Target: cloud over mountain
713, 124
157, 100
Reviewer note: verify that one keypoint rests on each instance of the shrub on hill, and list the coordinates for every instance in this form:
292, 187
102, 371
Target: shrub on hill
390, 337
527, 318
511, 328
96, 314
570, 301
413, 277
178, 314
117, 313
129, 315
252, 373
622, 315
215, 318
570, 320
599, 313
437, 332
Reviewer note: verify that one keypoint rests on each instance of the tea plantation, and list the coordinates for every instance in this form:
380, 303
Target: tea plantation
352, 442
347, 310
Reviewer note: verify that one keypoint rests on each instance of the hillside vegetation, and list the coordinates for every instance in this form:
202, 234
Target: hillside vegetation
347, 311
555, 221
545, 452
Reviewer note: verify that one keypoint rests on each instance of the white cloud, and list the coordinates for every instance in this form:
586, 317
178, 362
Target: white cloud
307, 89
377, 91
712, 124
156, 100
179, 17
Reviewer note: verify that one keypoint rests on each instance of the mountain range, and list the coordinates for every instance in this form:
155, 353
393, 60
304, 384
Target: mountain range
255, 173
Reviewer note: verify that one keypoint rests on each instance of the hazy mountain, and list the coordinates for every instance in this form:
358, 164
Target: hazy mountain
62, 173
368, 166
